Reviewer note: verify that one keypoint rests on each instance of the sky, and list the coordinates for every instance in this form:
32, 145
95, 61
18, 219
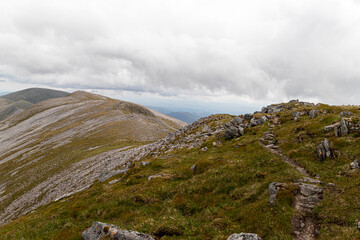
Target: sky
212, 56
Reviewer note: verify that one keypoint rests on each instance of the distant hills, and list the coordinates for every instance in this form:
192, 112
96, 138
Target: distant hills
35, 95
185, 116
16, 102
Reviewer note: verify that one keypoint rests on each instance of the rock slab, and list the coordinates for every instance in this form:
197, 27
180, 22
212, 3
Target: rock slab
244, 236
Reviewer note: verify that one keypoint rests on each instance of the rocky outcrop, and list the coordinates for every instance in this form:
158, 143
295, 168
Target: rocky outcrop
274, 108
323, 150
99, 230
235, 128
255, 122
345, 114
244, 236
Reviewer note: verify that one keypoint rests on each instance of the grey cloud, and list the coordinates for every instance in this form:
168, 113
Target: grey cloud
257, 50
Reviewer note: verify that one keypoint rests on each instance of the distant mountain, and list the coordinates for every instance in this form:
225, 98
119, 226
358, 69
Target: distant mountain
184, 116
35, 95
4, 93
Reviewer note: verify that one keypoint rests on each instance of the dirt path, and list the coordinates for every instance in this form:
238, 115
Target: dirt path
307, 194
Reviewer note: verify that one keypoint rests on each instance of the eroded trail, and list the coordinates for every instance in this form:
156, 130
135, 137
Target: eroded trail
307, 194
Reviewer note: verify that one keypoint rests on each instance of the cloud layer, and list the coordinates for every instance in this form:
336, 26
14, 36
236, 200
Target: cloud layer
256, 50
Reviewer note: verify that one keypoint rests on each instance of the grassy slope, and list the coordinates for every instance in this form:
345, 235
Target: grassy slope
227, 193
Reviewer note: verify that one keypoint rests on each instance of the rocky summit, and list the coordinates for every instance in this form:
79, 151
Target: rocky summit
289, 171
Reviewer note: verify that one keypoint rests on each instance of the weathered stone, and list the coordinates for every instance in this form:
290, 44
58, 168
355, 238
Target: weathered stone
354, 164
206, 129
108, 174
345, 113
343, 128
144, 163
248, 116
217, 143
324, 150
237, 121
262, 120
154, 176
274, 188
296, 116
99, 230
358, 226
193, 168
331, 127
313, 113
244, 236
204, 149
272, 108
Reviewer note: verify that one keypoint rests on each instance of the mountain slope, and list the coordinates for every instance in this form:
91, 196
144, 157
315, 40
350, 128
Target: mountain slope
34, 95
199, 184
62, 145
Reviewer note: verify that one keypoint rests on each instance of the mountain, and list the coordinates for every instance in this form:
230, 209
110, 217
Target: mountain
34, 95
288, 171
62, 145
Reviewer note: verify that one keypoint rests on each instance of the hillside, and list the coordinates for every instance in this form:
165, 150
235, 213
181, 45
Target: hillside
62, 145
287, 172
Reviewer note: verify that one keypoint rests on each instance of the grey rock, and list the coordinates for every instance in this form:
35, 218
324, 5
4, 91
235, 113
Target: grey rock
218, 143
244, 236
313, 113
343, 128
108, 174
354, 164
273, 108
262, 120
154, 176
274, 188
331, 127
237, 121
206, 129
144, 163
248, 116
193, 168
323, 150
204, 149
99, 230
114, 181
358, 226
345, 113
296, 116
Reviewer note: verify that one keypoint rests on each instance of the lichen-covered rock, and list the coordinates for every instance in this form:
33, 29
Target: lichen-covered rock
323, 150
354, 164
255, 122
244, 236
234, 128
273, 108
99, 230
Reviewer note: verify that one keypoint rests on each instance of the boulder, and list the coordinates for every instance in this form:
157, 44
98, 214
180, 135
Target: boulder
204, 149
100, 230
354, 164
234, 128
244, 236
273, 108
343, 128
248, 116
237, 121
255, 122
323, 150
331, 127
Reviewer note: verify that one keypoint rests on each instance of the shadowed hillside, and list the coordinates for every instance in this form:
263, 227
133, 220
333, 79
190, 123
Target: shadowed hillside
34, 95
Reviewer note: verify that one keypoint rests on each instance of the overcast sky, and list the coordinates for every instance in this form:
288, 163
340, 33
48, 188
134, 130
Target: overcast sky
162, 52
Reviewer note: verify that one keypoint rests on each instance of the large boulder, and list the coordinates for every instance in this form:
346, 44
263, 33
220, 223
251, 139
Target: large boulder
255, 122
99, 230
323, 150
273, 108
296, 116
244, 236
